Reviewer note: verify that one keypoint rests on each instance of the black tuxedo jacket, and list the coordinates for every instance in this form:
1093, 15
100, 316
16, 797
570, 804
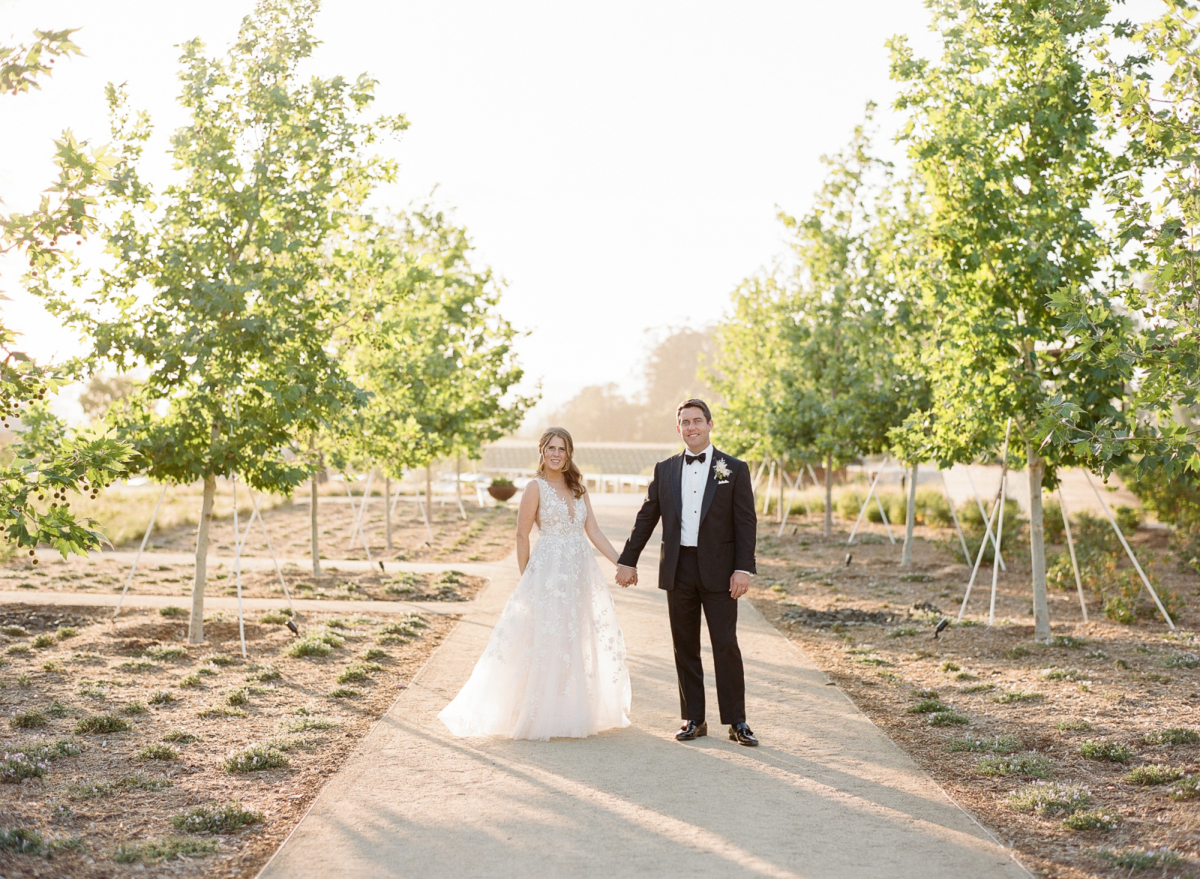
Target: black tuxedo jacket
728, 526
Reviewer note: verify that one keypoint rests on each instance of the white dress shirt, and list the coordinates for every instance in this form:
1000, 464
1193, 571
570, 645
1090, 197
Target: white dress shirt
695, 480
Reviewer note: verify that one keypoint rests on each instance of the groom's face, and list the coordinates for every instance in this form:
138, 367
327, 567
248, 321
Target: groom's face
694, 428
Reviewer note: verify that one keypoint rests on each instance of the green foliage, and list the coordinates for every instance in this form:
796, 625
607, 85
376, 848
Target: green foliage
308, 646
32, 761
304, 724
805, 362
162, 697
264, 674
947, 718
256, 759
167, 653
1049, 799
1008, 183
86, 790
21, 841
357, 672
1072, 725
157, 752
435, 358
1186, 788
1032, 765
1015, 696
1099, 819
344, 693
180, 737
101, 723
31, 719
996, 745
1155, 209
1136, 860
49, 460
1103, 749
165, 849
214, 818
1173, 736
1153, 774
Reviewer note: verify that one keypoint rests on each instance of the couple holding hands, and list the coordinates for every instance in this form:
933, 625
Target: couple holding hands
555, 663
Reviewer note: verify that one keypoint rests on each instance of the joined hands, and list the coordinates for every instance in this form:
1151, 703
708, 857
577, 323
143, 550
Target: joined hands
626, 576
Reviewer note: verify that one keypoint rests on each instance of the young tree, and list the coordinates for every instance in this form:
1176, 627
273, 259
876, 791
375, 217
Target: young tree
52, 461
435, 358
219, 287
808, 359
1010, 154
1149, 333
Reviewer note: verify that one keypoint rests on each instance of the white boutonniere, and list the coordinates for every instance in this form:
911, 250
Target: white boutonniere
721, 471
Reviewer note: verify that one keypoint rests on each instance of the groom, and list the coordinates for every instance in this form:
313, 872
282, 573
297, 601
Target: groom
707, 509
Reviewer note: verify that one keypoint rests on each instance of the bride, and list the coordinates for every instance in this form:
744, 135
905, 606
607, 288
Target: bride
555, 663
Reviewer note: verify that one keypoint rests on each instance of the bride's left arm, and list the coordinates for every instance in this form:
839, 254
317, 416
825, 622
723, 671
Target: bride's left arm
596, 536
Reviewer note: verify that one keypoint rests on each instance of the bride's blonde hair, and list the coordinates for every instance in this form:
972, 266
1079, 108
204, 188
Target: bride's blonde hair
570, 472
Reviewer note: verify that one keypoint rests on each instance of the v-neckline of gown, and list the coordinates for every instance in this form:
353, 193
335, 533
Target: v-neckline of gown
565, 503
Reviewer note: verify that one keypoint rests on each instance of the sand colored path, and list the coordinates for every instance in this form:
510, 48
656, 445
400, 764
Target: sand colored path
825, 795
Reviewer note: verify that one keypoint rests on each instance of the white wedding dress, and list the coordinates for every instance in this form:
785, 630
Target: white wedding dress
555, 663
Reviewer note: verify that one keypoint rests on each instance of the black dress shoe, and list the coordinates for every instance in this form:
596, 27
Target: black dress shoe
691, 730
741, 734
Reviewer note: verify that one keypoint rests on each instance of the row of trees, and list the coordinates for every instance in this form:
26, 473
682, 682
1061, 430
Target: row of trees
271, 319
927, 312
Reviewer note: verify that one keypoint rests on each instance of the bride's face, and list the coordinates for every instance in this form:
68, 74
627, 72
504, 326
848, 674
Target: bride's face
555, 454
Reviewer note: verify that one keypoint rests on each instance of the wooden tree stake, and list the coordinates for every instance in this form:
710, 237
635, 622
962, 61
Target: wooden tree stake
1000, 523
237, 566
988, 535
1062, 505
1129, 552
862, 511
141, 549
978, 559
954, 515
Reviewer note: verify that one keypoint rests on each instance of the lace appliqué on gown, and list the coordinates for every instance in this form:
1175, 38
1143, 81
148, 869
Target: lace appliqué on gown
555, 663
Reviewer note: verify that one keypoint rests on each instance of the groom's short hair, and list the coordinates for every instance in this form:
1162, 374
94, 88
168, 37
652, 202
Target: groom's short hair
693, 403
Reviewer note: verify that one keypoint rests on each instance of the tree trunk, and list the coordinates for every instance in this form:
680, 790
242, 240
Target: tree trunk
196, 623
387, 509
312, 515
910, 519
829, 495
1037, 544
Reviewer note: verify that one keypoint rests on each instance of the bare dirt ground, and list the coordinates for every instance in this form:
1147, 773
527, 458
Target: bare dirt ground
108, 575
486, 535
106, 803
990, 713
114, 733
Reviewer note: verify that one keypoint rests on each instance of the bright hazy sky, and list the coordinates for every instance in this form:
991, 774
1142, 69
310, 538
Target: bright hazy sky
619, 164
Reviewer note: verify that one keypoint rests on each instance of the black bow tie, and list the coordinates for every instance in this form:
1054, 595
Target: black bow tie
692, 459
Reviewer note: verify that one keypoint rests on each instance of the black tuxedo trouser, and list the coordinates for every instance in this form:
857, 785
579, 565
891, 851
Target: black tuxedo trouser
684, 604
